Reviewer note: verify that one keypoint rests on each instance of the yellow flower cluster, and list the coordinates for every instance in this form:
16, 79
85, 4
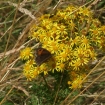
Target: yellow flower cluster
70, 36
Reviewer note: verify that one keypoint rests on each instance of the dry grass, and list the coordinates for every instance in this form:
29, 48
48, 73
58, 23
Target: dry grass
16, 18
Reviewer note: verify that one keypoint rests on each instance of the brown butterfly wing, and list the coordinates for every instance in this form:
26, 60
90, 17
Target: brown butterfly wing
42, 55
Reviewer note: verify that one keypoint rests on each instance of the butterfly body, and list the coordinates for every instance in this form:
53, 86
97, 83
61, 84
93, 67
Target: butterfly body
42, 55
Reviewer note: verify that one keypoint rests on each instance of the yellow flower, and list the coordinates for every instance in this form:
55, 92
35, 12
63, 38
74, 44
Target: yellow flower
35, 73
85, 42
72, 25
30, 62
77, 83
76, 64
27, 67
82, 55
29, 71
102, 28
96, 23
62, 30
68, 82
52, 46
60, 14
60, 66
75, 41
85, 12
92, 55
44, 68
45, 24
64, 53
26, 53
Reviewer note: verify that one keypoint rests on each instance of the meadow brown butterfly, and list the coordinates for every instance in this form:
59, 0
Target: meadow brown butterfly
41, 55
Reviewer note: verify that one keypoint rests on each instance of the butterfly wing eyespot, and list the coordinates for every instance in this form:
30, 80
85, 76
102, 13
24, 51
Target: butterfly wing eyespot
42, 55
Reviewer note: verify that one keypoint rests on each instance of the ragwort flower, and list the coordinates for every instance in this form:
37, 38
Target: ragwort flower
26, 53
71, 36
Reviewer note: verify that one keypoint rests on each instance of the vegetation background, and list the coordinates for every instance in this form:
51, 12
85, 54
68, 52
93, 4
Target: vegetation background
16, 18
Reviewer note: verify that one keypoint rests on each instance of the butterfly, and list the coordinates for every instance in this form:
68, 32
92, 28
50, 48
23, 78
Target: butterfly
41, 55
